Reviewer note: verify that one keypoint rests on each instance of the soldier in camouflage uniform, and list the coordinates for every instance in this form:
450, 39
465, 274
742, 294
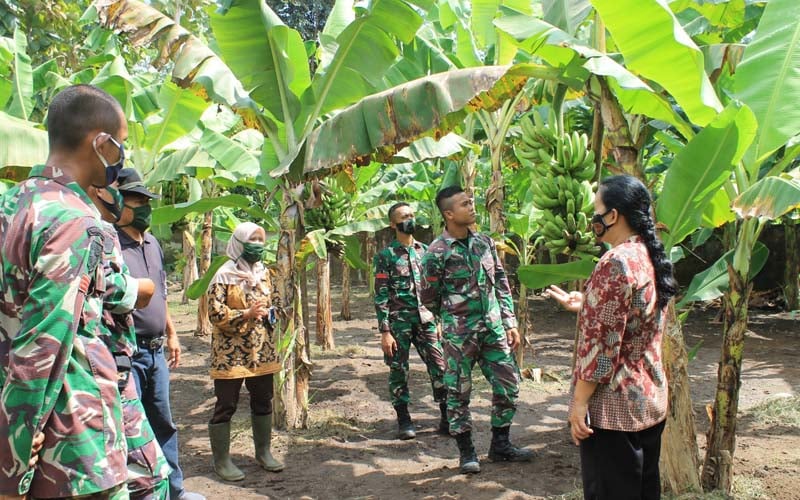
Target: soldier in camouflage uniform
148, 471
468, 289
402, 321
57, 375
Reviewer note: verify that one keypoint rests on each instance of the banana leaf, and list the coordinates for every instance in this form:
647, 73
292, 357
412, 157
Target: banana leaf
713, 282
769, 198
768, 78
21, 143
654, 44
700, 169
543, 275
200, 286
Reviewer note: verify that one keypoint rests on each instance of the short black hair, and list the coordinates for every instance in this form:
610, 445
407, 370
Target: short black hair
76, 111
394, 208
443, 197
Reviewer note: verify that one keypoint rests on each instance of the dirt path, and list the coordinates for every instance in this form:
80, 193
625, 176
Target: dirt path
349, 450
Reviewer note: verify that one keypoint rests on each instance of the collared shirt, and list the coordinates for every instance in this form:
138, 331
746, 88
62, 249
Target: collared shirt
467, 285
621, 328
56, 373
146, 260
398, 283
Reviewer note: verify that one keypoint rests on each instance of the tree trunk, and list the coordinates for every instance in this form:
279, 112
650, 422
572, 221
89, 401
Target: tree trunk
618, 132
346, 314
679, 455
203, 323
324, 319
291, 384
469, 171
792, 269
721, 441
190, 269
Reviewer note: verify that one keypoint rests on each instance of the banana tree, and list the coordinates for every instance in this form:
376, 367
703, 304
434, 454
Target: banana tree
519, 238
293, 110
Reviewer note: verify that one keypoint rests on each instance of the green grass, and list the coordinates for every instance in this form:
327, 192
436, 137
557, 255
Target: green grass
783, 411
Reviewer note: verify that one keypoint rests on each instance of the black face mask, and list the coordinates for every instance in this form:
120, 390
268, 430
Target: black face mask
597, 220
115, 207
407, 226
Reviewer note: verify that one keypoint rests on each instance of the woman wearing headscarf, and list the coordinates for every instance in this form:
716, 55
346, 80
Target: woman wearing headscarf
240, 304
619, 400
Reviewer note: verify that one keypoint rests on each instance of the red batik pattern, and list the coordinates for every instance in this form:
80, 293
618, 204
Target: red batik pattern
621, 328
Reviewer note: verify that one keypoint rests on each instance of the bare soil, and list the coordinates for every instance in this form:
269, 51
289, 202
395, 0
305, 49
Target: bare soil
349, 450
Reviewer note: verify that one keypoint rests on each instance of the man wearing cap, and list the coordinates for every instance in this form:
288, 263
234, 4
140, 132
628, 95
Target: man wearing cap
155, 332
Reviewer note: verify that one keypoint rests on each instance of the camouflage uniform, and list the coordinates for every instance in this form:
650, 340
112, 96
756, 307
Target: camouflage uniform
57, 375
148, 470
398, 283
467, 287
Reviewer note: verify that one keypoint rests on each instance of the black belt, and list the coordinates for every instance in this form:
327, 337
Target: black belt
150, 342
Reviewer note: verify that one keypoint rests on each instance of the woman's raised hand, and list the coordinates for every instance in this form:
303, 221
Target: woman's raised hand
572, 301
257, 311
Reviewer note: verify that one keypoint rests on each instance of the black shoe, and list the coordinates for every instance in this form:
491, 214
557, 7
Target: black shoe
444, 425
404, 424
468, 459
501, 448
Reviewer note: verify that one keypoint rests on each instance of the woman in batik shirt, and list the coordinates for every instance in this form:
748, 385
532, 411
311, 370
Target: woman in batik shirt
619, 399
241, 307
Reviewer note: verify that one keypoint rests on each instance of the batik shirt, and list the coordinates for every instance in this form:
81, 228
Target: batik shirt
398, 284
467, 285
621, 328
56, 373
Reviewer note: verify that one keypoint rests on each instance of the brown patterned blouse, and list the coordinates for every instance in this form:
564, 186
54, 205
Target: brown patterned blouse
621, 328
240, 348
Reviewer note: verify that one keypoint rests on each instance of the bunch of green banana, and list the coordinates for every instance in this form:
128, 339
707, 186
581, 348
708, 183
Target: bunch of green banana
538, 141
548, 151
567, 234
330, 214
574, 157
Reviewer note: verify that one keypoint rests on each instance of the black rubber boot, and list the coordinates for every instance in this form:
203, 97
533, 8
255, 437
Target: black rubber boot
468, 459
501, 448
404, 424
444, 425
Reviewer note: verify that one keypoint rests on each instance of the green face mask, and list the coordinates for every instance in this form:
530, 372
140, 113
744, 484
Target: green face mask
141, 217
253, 252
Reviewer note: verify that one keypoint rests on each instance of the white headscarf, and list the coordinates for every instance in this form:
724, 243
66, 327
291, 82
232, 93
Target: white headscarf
237, 271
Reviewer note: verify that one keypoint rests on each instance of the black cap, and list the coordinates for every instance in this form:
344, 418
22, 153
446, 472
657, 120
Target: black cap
129, 181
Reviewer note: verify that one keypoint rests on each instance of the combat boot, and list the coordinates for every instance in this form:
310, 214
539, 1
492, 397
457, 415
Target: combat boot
501, 448
220, 437
468, 459
404, 424
262, 439
444, 425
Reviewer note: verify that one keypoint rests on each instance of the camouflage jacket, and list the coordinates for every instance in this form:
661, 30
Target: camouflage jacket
467, 285
398, 283
119, 298
56, 373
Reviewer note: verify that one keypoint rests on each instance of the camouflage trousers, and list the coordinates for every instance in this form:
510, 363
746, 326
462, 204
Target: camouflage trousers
148, 471
407, 331
490, 350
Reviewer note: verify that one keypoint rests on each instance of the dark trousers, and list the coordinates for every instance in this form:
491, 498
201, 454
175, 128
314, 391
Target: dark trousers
618, 465
151, 373
227, 393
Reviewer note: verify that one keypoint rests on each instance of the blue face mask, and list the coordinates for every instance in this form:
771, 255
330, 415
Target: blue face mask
112, 170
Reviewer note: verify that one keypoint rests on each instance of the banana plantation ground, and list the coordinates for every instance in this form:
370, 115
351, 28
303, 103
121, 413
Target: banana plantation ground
349, 452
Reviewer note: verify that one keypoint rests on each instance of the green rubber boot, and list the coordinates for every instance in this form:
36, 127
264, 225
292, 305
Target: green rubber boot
262, 438
220, 437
